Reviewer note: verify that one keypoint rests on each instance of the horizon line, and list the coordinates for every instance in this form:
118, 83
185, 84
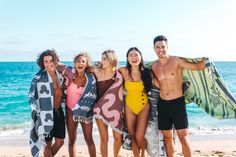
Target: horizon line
118, 61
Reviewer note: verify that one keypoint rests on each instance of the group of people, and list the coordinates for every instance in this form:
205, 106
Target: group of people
97, 91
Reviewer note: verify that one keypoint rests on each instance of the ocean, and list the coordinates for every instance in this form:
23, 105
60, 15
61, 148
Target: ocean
15, 79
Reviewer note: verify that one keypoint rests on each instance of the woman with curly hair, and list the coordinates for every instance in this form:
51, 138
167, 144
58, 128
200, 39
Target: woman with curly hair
80, 100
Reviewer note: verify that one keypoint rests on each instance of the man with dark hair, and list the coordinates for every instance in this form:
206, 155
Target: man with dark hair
50, 53
45, 98
171, 106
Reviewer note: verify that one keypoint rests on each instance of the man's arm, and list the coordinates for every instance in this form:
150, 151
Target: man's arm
191, 65
154, 77
66, 70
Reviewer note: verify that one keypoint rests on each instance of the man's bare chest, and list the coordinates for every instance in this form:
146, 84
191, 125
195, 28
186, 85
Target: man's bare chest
167, 72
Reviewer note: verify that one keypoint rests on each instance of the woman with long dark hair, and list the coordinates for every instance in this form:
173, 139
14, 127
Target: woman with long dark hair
138, 82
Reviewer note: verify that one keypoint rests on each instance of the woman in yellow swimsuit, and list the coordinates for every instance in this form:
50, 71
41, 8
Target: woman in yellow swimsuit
138, 83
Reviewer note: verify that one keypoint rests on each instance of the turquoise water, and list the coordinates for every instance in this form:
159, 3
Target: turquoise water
15, 79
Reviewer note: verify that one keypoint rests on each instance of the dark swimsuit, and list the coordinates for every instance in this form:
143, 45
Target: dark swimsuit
58, 130
102, 87
172, 112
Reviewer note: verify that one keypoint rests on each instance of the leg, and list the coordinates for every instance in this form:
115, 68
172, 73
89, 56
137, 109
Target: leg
48, 149
59, 131
103, 131
169, 144
71, 128
183, 138
88, 137
130, 119
181, 124
142, 122
57, 145
117, 143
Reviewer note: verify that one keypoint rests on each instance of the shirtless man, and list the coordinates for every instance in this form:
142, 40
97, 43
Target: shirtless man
171, 106
48, 60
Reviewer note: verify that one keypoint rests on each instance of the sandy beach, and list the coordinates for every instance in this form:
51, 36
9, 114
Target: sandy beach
202, 145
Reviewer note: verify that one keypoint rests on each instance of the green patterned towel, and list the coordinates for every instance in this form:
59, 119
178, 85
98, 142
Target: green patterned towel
208, 90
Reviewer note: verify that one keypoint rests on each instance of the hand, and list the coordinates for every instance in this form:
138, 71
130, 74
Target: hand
98, 65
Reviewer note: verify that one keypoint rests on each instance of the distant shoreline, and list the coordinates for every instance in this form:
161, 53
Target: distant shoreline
23, 130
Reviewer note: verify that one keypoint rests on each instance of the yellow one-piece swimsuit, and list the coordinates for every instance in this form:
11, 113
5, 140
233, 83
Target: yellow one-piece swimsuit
136, 98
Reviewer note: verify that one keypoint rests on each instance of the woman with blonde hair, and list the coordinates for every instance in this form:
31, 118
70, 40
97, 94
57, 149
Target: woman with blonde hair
80, 100
108, 110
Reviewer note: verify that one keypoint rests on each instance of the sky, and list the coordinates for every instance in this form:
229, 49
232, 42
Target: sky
197, 28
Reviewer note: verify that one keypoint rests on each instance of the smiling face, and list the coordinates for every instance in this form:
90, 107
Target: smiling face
160, 47
49, 63
105, 62
109, 60
81, 64
134, 58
